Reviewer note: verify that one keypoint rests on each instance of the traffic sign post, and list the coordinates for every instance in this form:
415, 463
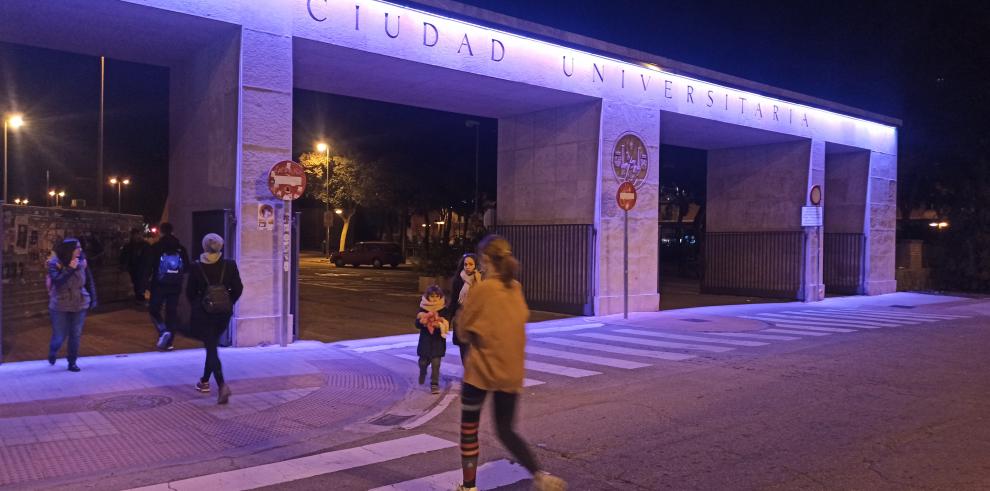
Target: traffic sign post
625, 197
287, 182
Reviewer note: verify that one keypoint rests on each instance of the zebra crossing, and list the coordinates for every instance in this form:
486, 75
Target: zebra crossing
579, 350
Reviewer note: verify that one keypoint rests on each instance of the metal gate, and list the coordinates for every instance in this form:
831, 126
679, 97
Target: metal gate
843, 263
761, 264
557, 265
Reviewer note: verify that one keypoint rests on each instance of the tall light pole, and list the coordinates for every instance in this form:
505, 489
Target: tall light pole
119, 182
99, 145
477, 139
327, 217
12, 121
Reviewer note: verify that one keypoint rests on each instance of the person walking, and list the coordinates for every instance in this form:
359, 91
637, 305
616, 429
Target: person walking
493, 323
468, 276
132, 260
165, 268
71, 293
213, 287
433, 329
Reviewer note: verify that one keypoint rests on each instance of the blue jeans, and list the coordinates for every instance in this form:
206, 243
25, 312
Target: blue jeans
66, 324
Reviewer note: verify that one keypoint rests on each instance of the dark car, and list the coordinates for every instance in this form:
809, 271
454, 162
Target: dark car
373, 253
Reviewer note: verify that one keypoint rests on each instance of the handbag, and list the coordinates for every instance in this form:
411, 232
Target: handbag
216, 299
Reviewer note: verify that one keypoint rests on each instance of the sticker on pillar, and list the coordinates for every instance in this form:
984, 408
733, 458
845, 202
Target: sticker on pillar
266, 217
630, 160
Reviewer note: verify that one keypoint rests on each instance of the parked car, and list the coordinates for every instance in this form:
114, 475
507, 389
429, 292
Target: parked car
376, 254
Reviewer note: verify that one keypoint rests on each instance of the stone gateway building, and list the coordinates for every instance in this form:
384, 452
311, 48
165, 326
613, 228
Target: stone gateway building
801, 191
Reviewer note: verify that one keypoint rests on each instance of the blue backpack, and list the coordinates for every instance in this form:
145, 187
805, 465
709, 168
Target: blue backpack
170, 269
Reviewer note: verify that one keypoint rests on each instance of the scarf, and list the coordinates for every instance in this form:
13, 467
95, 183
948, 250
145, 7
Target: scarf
468, 283
210, 257
431, 318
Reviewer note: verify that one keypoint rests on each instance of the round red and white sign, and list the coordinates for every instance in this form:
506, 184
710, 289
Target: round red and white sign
626, 196
287, 180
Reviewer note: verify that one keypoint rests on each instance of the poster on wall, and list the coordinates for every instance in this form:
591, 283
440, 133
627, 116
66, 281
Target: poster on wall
21, 239
266, 217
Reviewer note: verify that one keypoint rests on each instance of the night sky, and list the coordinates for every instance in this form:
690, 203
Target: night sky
910, 60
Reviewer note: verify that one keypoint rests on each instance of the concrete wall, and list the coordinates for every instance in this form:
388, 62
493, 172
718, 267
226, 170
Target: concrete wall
617, 120
548, 165
881, 226
846, 177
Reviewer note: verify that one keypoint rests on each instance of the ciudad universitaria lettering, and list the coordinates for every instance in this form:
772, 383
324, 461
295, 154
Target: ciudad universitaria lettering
392, 27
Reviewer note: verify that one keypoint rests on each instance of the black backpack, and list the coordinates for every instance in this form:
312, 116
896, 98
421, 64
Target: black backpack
170, 268
216, 299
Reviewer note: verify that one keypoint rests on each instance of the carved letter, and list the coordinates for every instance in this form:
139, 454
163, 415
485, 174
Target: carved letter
572, 66
600, 73
427, 27
775, 109
791, 119
398, 26
623, 78
805, 120
726, 102
667, 88
357, 17
309, 8
501, 50
759, 111
645, 80
742, 105
465, 42
711, 98
690, 94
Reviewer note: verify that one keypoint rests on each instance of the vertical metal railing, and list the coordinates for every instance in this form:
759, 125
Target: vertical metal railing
557, 265
765, 264
843, 263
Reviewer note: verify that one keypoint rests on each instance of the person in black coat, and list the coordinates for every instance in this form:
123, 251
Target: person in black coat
467, 276
165, 265
433, 328
132, 260
212, 270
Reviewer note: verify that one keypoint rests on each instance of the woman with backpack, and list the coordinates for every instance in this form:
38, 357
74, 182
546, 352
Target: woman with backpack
493, 322
213, 287
71, 292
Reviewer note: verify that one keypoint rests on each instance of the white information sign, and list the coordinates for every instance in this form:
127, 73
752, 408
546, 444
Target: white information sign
811, 216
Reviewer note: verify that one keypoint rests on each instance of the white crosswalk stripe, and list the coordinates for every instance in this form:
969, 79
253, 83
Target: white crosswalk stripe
856, 317
658, 344
878, 317
537, 366
847, 318
454, 369
747, 335
491, 475
574, 327
801, 333
595, 360
907, 315
778, 318
682, 337
813, 328
661, 355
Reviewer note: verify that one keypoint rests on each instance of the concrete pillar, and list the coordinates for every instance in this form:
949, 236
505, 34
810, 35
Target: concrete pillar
758, 191
814, 281
881, 225
265, 127
619, 120
846, 180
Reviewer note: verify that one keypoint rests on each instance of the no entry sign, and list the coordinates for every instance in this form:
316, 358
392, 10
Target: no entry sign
626, 196
287, 180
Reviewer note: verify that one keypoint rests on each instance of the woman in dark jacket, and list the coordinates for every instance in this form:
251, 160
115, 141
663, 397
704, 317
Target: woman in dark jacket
212, 270
467, 276
71, 292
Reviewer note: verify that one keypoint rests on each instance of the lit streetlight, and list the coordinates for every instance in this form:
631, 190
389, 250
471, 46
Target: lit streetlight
22, 202
57, 195
13, 121
939, 225
119, 182
323, 147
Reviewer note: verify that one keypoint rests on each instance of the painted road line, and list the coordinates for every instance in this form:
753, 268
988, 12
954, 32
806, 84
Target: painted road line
539, 366
787, 325
691, 338
879, 317
801, 333
383, 347
661, 355
432, 413
456, 370
491, 475
571, 327
909, 315
307, 467
849, 318
595, 360
658, 344
747, 335
802, 321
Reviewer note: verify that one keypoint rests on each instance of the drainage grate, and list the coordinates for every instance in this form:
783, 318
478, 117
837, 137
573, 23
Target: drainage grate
389, 420
130, 403
903, 306
695, 320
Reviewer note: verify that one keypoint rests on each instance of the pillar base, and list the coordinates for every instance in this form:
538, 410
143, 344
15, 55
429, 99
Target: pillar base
880, 287
646, 302
255, 331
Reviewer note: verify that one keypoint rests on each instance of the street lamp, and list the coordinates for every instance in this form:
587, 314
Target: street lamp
477, 128
58, 195
323, 147
119, 182
22, 202
13, 121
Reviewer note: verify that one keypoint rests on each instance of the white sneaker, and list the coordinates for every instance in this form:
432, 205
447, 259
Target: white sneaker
460, 487
543, 481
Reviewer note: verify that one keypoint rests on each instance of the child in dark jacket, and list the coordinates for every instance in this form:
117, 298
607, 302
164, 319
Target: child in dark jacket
433, 329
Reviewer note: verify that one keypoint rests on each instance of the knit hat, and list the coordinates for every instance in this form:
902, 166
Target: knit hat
212, 245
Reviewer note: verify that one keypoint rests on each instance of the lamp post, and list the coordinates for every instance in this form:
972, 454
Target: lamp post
327, 217
12, 121
119, 182
477, 139
58, 195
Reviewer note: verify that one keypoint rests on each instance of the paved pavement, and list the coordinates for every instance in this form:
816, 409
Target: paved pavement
349, 414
